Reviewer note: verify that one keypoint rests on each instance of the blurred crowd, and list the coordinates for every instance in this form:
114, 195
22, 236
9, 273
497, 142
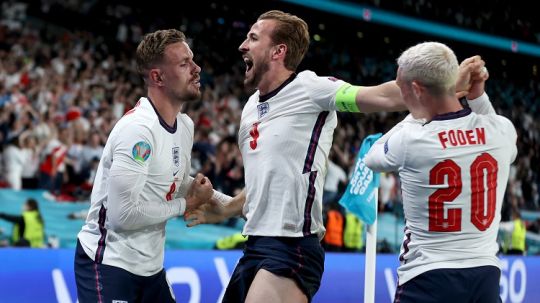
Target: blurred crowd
510, 19
64, 84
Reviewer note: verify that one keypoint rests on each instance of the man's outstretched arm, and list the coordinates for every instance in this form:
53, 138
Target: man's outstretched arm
216, 211
387, 96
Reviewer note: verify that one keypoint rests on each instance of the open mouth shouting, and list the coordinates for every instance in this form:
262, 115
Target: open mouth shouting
249, 63
196, 82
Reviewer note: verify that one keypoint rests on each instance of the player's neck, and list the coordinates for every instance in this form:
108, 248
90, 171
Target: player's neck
273, 79
166, 108
448, 106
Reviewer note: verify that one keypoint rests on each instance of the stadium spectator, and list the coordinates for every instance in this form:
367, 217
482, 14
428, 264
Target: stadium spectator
93, 149
147, 184
514, 234
28, 228
450, 241
353, 233
514, 20
335, 181
53, 163
14, 163
334, 223
226, 168
30, 150
387, 190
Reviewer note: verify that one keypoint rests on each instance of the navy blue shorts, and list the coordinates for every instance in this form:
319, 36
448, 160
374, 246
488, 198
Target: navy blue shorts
104, 283
301, 259
474, 285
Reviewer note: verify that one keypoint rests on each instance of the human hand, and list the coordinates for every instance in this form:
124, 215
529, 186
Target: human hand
469, 70
200, 192
211, 212
478, 81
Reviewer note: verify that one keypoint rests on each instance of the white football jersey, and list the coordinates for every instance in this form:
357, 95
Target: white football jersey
285, 137
454, 170
145, 164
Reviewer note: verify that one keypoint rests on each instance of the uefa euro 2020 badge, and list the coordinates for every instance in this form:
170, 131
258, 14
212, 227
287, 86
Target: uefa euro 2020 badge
141, 151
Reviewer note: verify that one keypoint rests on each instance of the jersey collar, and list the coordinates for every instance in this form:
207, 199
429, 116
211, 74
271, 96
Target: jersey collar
453, 115
170, 129
275, 91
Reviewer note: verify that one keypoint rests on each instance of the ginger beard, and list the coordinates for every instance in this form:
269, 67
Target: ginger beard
255, 71
181, 75
189, 92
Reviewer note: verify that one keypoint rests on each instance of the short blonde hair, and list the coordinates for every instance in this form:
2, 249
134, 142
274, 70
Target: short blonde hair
432, 64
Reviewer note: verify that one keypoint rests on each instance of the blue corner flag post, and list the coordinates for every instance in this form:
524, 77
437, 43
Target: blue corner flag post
361, 198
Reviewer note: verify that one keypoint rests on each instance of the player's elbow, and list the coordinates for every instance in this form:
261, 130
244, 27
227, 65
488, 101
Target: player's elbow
372, 163
121, 222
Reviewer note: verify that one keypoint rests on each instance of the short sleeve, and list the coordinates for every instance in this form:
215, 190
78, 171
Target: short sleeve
322, 90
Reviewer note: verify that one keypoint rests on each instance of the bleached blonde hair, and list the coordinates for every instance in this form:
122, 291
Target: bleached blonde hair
432, 64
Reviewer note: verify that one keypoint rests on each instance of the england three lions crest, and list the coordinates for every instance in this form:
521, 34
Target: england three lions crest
263, 109
176, 156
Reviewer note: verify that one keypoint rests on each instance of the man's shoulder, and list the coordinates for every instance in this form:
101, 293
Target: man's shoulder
141, 114
311, 76
306, 74
136, 124
495, 122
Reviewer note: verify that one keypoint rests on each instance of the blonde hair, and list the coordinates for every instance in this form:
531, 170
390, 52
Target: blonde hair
432, 64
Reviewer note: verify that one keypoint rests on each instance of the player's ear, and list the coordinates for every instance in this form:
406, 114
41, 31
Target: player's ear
155, 76
279, 51
417, 89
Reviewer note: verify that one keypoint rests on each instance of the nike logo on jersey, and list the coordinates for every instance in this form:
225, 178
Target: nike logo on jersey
174, 174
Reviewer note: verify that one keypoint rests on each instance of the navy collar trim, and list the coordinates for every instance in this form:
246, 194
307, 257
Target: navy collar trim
453, 115
170, 129
275, 91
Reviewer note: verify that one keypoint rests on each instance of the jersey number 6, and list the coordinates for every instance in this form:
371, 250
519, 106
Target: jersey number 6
483, 172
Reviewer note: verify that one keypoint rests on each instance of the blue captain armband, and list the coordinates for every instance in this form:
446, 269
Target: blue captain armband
346, 98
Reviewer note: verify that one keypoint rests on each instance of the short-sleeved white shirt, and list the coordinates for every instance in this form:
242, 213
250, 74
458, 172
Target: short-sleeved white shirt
285, 138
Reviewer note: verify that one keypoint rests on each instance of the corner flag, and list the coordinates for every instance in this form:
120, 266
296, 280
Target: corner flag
360, 197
